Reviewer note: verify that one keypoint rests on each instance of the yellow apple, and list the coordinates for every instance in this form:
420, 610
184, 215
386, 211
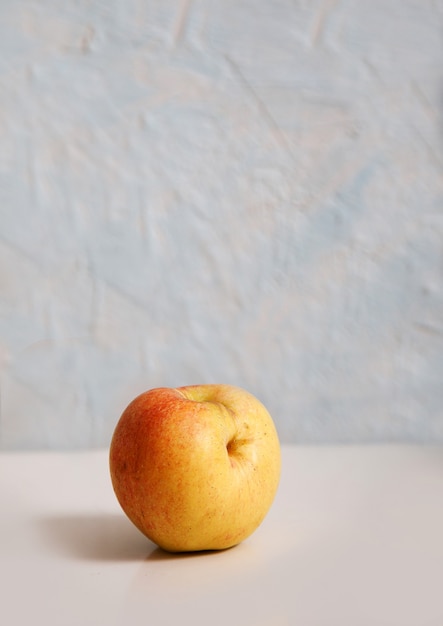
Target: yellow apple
195, 468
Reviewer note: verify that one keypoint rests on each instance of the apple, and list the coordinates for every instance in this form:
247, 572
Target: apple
197, 467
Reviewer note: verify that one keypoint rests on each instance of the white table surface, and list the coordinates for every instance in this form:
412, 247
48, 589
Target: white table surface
354, 538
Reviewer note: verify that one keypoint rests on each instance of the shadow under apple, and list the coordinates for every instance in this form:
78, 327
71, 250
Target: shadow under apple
95, 537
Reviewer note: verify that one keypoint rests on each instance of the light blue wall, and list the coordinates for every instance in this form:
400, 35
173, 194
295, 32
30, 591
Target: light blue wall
247, 192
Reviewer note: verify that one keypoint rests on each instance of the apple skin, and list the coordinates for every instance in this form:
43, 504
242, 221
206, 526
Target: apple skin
197, 467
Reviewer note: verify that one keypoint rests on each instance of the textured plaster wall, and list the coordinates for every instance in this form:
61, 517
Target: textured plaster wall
242, 191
